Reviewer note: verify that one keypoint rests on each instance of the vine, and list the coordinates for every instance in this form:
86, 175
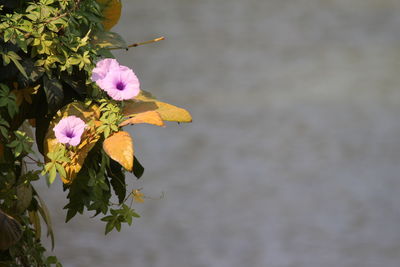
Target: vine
59, 79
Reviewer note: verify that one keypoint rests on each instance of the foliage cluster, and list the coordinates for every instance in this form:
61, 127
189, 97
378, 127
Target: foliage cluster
48, 50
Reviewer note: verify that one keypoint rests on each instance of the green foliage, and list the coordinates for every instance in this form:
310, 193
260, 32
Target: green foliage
111, 117
56, 158
48, 50
21, 144
124, 214
8, 100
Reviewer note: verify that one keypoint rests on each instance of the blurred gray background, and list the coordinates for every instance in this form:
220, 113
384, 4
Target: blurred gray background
293, 156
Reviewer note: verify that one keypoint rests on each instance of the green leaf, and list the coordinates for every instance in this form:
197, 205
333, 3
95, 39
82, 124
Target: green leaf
109, 40
61, 170
109, 226
70, 214
51, 260
52, 175
114, 171
138, 169
15, 59
54, 93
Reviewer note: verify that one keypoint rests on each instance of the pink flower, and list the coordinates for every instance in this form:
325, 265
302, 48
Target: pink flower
69, 130
118, 81
103, 67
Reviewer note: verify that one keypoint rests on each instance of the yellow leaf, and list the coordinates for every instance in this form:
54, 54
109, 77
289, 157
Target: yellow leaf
119, 146
35, 221
137, 196
90, 115
111, 10
150, 117
146, 102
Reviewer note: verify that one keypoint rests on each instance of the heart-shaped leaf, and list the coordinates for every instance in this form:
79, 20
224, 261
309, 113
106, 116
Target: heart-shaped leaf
119, 146
90, 115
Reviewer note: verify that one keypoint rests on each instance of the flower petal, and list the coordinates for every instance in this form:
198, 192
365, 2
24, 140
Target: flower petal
69, 130
103, 67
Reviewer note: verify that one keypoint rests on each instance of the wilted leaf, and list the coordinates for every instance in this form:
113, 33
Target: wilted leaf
119, 146
90, 116
146, 102
44, 212
150, 117
111, 10
137, 196
10, 231
32, 122
35, 221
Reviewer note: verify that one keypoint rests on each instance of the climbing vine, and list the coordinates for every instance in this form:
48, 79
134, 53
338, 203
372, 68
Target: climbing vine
64, 104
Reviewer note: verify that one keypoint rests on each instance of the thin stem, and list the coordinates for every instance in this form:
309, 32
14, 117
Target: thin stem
35, 160
141, 43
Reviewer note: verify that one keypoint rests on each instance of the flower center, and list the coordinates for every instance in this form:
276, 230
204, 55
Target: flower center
120, 85
69, 134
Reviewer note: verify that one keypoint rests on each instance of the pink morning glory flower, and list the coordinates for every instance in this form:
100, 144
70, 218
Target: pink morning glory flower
120, 82
103, 67
69, 130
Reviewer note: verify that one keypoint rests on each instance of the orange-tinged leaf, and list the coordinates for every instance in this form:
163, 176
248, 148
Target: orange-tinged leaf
146, 102
119, 146
137, 196
111, 10
150, 117
90, 115
25, 94
32, 122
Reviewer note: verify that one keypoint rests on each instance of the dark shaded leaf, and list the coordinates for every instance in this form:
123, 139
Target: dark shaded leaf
33, 72
54, 93
76, 81
115, 172
10, 231
138, 169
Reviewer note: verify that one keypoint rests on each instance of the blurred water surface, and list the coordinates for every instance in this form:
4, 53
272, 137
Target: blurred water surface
292, 159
